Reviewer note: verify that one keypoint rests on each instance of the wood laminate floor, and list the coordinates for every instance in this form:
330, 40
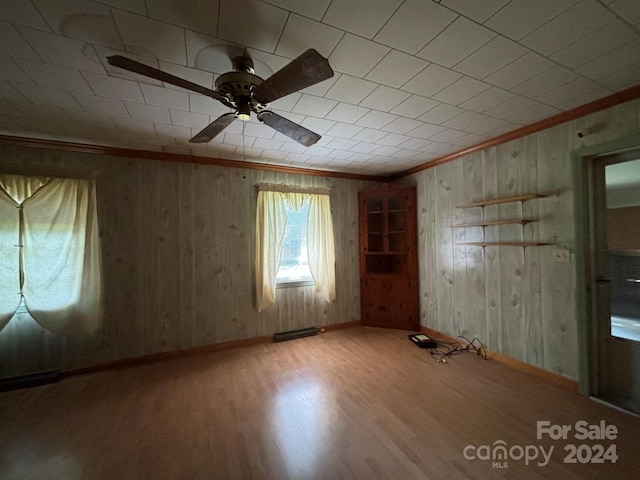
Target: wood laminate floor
361, 403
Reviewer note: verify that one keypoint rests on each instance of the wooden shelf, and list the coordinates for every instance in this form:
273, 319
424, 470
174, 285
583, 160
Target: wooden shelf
497, 201
515, 221
508, 244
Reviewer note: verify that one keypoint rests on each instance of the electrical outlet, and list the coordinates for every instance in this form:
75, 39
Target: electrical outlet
563, 255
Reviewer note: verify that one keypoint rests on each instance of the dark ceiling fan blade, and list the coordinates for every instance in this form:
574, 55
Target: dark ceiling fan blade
213, 129
290, 129
142, 69
306, 70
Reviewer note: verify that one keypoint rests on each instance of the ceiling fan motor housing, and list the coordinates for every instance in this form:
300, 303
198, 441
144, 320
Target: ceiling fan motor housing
239, 84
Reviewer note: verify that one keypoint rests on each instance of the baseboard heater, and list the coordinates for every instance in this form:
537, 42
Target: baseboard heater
291, 334
29, 380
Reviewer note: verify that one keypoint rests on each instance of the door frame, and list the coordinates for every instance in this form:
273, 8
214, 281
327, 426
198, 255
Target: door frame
583, 165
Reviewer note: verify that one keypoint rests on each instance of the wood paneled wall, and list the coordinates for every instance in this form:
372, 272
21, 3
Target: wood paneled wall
516, 300
177, 246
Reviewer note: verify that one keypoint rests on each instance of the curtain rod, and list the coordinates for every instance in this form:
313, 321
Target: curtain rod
272, 187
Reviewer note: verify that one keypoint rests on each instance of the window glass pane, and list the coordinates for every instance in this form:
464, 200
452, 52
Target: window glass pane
294, 266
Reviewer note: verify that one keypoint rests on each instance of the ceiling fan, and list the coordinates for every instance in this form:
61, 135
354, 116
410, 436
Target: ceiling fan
245, 92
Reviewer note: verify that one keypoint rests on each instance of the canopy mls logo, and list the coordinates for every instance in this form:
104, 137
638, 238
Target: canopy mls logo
500, 453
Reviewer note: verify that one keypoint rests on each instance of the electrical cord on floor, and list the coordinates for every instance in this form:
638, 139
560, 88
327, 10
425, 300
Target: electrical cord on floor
445, 350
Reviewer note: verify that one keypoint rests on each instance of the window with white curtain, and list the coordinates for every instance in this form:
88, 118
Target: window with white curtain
50, 252
271, 225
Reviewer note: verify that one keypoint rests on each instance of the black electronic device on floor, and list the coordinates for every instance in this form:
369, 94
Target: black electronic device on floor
422, 340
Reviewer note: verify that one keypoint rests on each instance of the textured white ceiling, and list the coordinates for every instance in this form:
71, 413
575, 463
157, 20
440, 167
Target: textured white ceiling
414, 79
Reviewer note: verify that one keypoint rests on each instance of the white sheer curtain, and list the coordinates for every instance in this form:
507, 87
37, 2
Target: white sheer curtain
271, 220
52, 252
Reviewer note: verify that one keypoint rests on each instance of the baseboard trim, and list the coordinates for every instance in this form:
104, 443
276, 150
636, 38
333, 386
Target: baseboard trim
541, 373
203, 350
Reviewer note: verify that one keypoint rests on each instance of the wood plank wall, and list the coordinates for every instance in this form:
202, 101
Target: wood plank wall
516, 300
177, 244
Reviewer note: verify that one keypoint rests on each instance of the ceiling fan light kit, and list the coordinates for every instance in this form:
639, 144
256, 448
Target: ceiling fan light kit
245, 92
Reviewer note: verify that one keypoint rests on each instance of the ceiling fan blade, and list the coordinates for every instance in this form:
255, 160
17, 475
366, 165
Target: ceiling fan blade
306, 70
219, 124
142, 69
290, 129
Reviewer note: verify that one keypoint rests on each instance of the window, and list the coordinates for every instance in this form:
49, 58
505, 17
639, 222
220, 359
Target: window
294, 264
49, 252
271, 235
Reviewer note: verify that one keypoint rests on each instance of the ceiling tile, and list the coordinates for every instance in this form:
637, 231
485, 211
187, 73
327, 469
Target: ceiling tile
96, 119
491, 57
441, 113
415, 144
315, 9
414, 106
476, 10
369, 135
510, 107
51, 113
447, 135
521, 17
341, 143
81, 19
456, 42
572, 24
164, 97
486, 125
267, 143
148, 113
132, 125
396, 69
344, 130
588, 97
520, 70
251, 23
316, 106
463, 120
547, 80
135, 6
384, 98
487, 99
402, 125
356, 56
393, 139
302, 33
629, 10
622, 79
47, 96
376, 119
207, 105
318, 125
10, 70
105, 86
426, 130
468, 140
612, 62
600, 42
364, 147
184, 14
12, 43
55, 77
344, 112
387, 150
22, 13
567, 91
361, 17
461, 90
102, 105
533, 114
431, 80
189, 119
414, 25
173, 131
151, 38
